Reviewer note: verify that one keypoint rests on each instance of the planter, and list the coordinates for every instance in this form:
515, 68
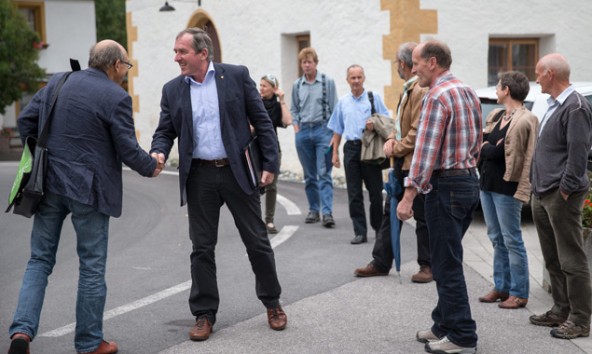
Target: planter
587, 234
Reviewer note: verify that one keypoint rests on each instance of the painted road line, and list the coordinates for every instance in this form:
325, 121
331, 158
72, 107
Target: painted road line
285, 233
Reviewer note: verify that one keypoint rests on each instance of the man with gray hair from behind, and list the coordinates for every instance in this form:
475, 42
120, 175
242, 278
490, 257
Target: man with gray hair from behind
560, 185
401, 144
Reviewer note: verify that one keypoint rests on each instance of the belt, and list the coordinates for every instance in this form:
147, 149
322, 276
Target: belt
213, 163
313, 124
454, 173
354, 142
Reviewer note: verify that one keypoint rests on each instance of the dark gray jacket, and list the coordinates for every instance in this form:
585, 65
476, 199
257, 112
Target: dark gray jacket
561, 153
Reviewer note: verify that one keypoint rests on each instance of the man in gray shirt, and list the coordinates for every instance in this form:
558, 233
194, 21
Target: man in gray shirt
560, 185
313, 99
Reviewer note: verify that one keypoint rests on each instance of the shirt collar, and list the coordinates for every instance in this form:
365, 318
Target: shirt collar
409, 82
359, 97
446, 75
562, 96
210, 73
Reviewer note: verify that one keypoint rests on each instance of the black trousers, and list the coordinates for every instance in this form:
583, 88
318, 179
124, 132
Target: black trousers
382, 253
356, 173
208, 188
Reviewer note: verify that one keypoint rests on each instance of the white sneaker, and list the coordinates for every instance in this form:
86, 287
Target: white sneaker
426, 336
445, 346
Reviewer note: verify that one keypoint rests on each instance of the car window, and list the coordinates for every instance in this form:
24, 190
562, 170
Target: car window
488, 105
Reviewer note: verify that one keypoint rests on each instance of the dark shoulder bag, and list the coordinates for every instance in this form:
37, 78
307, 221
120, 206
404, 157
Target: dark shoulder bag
28, 187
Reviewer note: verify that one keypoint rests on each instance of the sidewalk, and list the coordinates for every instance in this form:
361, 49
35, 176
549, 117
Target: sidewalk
380, 315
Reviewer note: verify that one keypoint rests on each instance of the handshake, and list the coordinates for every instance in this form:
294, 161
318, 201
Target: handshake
159, 163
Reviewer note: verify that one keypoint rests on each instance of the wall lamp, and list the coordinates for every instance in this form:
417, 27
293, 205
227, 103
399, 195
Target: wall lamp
166, 7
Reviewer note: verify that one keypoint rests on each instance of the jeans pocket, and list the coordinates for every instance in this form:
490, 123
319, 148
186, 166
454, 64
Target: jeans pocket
463, 202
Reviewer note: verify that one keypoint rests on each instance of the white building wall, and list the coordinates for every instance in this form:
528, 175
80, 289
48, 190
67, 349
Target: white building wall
259, 34
467, 25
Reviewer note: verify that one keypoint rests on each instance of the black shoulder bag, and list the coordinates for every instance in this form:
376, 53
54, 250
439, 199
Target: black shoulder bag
28, 188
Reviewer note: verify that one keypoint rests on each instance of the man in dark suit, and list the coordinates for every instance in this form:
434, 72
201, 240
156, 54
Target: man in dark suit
209, 108
92, 133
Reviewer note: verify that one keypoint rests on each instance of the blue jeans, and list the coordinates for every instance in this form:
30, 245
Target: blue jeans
449, 211
312, 142
92, 229
510, 263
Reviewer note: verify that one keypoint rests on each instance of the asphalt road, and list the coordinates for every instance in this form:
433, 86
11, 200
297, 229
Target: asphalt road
148, 266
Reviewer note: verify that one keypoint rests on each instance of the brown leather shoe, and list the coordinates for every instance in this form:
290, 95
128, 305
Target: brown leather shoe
493, 296
424, 275
369, 271
104, 348
277, 318
19, 344
201, 330
513, 302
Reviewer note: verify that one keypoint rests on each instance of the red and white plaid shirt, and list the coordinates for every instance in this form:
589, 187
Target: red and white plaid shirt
449, 134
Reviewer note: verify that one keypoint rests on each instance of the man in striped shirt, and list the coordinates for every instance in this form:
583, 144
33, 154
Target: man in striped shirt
443, 168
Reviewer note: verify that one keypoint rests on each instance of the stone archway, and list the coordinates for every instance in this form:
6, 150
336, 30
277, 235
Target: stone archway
202, 20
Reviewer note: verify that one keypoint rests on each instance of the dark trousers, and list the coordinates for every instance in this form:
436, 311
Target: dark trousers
208, 188
382, 253
449, 212
356, 173
558, 223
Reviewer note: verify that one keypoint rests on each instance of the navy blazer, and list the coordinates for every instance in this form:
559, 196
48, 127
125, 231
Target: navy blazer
92, 132
239, 104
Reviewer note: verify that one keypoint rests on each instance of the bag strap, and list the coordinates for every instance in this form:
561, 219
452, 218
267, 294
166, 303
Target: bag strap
45, 130
371, 98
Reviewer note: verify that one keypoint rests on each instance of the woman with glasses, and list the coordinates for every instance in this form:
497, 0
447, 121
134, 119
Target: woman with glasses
273, 99
508, 146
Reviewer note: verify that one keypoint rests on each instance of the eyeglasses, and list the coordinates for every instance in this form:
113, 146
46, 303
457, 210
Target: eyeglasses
129, 65
271, 79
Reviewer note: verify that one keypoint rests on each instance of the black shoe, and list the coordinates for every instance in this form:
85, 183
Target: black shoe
312, 217
358, 239
328, 221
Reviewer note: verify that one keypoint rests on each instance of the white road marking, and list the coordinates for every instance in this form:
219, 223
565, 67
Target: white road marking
285, 233
291, 208
125, 308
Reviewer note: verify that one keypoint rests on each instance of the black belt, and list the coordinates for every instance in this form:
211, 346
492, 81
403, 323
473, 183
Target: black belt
354, 142
213, 163
454, 173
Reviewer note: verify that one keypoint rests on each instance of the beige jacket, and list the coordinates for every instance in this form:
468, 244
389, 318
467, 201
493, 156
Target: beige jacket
410, 108
519, 147
373, 141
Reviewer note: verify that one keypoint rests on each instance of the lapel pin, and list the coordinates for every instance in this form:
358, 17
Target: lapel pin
221, 76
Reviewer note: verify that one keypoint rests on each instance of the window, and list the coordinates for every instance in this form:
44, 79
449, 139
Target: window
34, 14
303, 41
518, 54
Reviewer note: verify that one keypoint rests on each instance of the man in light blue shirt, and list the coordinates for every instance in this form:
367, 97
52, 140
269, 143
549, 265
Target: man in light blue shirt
349, 120
313, 99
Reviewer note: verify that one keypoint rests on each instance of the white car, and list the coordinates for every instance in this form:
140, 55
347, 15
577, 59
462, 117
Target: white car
535, 101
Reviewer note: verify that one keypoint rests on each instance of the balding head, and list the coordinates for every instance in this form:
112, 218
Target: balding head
105, 54
552, 73
558, 64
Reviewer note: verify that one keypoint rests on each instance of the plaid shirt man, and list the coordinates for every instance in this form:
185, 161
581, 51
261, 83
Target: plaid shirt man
450, 131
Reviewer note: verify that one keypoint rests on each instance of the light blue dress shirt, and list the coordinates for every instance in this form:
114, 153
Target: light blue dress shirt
350, 115
207, 134
553, 104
